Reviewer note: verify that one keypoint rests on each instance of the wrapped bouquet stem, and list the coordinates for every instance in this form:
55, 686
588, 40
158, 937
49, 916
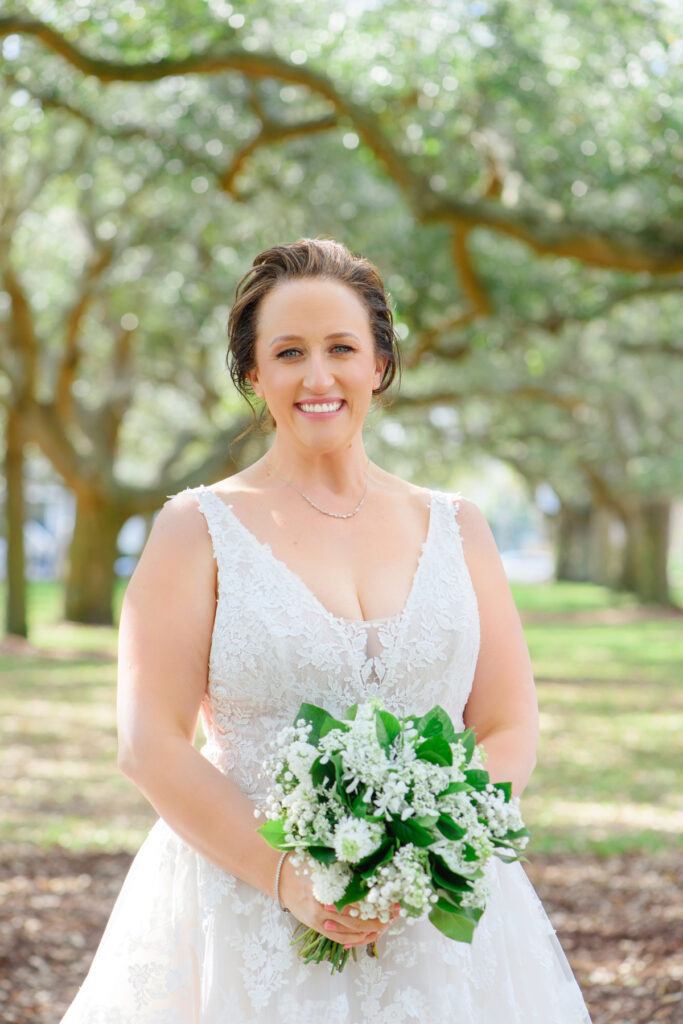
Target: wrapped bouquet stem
382, 811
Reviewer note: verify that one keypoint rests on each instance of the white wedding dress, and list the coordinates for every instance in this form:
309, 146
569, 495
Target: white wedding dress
188, 943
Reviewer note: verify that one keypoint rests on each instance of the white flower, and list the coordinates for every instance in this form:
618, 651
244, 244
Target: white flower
329, 881
355, 838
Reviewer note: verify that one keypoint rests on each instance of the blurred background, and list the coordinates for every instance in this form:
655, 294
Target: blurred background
515, 170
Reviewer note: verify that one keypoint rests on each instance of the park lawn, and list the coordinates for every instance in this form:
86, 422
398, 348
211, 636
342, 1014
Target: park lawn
610, 705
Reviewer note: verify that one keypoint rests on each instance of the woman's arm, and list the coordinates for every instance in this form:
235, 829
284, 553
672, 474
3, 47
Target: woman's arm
502, 706
164, 642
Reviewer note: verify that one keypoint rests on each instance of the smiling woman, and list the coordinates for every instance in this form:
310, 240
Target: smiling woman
320, 378
314, 576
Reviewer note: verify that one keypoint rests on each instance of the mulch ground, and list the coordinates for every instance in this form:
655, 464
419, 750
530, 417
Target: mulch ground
620, 922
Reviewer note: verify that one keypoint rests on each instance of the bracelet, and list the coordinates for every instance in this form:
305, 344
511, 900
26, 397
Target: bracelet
277, 882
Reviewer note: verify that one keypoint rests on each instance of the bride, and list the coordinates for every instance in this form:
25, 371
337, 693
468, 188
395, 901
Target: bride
311, 575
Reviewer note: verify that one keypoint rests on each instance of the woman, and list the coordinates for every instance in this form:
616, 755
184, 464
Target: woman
311, 575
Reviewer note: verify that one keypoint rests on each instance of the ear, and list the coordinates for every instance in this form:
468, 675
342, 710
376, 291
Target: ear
253, 376
380, 367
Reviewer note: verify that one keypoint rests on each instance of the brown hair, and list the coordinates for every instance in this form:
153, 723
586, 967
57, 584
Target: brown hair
309, 257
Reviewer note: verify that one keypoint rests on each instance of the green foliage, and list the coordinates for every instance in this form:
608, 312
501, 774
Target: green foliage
274, 834
388, 728
453, 924
508, 104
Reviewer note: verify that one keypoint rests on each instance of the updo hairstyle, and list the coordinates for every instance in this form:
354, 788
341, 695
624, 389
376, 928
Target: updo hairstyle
312, 258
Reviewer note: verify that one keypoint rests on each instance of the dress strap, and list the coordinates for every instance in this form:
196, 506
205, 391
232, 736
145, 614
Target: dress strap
214, 511
447, 504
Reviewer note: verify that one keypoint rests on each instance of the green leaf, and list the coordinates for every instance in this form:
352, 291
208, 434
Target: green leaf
436, 722
446, 902
388, 728
505, 788
449, 828
518, 833
331, 723
507, 860
355, 890
454, 926
436, 750
445, 878
477, 777
449, 902
323, 853
409, 832
350, 713
359, 806
468, 741
322, 771
316, 716
426, 820
456, 787
369, 864
274, 834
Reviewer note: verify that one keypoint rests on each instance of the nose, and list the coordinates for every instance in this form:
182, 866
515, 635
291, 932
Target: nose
317, 376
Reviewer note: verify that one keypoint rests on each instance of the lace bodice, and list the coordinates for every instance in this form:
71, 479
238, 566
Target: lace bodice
275, 645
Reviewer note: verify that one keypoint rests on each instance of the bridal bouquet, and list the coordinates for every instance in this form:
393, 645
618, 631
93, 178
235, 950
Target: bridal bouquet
383, 810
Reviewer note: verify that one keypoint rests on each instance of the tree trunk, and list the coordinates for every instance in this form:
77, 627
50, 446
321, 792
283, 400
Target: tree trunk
572, 543
601, 553
15, 609
586, 548
90, 577
644, 566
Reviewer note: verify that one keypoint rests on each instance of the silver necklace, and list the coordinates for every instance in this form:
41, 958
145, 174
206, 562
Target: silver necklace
335, 515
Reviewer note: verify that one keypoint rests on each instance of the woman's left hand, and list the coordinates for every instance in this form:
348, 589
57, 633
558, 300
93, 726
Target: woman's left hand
343, 927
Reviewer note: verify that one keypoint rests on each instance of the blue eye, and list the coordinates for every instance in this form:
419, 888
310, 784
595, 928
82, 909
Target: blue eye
286, 352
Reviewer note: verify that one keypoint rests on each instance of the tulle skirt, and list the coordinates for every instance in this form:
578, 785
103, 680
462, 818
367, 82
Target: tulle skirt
188, 943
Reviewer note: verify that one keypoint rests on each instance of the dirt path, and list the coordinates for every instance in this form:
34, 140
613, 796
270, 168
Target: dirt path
620, 922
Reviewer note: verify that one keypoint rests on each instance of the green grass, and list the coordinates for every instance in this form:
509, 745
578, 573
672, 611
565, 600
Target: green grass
608, 679
608, 778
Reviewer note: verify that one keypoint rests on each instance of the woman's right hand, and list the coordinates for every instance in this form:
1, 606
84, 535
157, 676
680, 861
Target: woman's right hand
296, 893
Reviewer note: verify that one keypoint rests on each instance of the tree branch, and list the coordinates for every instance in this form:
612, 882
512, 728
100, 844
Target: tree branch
68, 364
657, 248
479, 302
452, 398
23, 341
272, 132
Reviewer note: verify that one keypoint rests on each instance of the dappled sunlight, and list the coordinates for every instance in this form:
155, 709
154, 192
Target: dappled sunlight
599, 818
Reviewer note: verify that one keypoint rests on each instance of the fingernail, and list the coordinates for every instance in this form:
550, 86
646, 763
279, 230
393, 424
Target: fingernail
328, 925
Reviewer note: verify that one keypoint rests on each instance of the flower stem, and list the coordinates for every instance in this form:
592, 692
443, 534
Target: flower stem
313, 946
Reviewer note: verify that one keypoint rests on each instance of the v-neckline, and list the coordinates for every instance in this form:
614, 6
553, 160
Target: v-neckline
265, 547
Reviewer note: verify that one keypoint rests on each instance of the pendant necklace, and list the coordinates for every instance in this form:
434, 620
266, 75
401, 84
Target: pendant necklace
335, 515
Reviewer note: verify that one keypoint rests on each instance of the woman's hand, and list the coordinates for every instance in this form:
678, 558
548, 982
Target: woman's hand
296, 893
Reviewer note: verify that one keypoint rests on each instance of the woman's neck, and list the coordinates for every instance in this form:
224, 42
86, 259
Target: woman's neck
333, 473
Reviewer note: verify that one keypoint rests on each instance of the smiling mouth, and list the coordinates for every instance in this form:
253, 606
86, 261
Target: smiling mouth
334, 406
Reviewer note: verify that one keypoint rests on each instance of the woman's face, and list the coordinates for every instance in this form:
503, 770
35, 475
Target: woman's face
316, 365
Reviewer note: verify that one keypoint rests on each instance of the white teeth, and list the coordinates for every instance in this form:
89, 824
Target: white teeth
321, 406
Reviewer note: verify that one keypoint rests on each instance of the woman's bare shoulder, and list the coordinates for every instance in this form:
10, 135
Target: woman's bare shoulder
479, 543
179, 542
401, 489
238, 483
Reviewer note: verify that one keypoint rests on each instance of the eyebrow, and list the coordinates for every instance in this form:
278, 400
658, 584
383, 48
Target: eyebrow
297, 337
